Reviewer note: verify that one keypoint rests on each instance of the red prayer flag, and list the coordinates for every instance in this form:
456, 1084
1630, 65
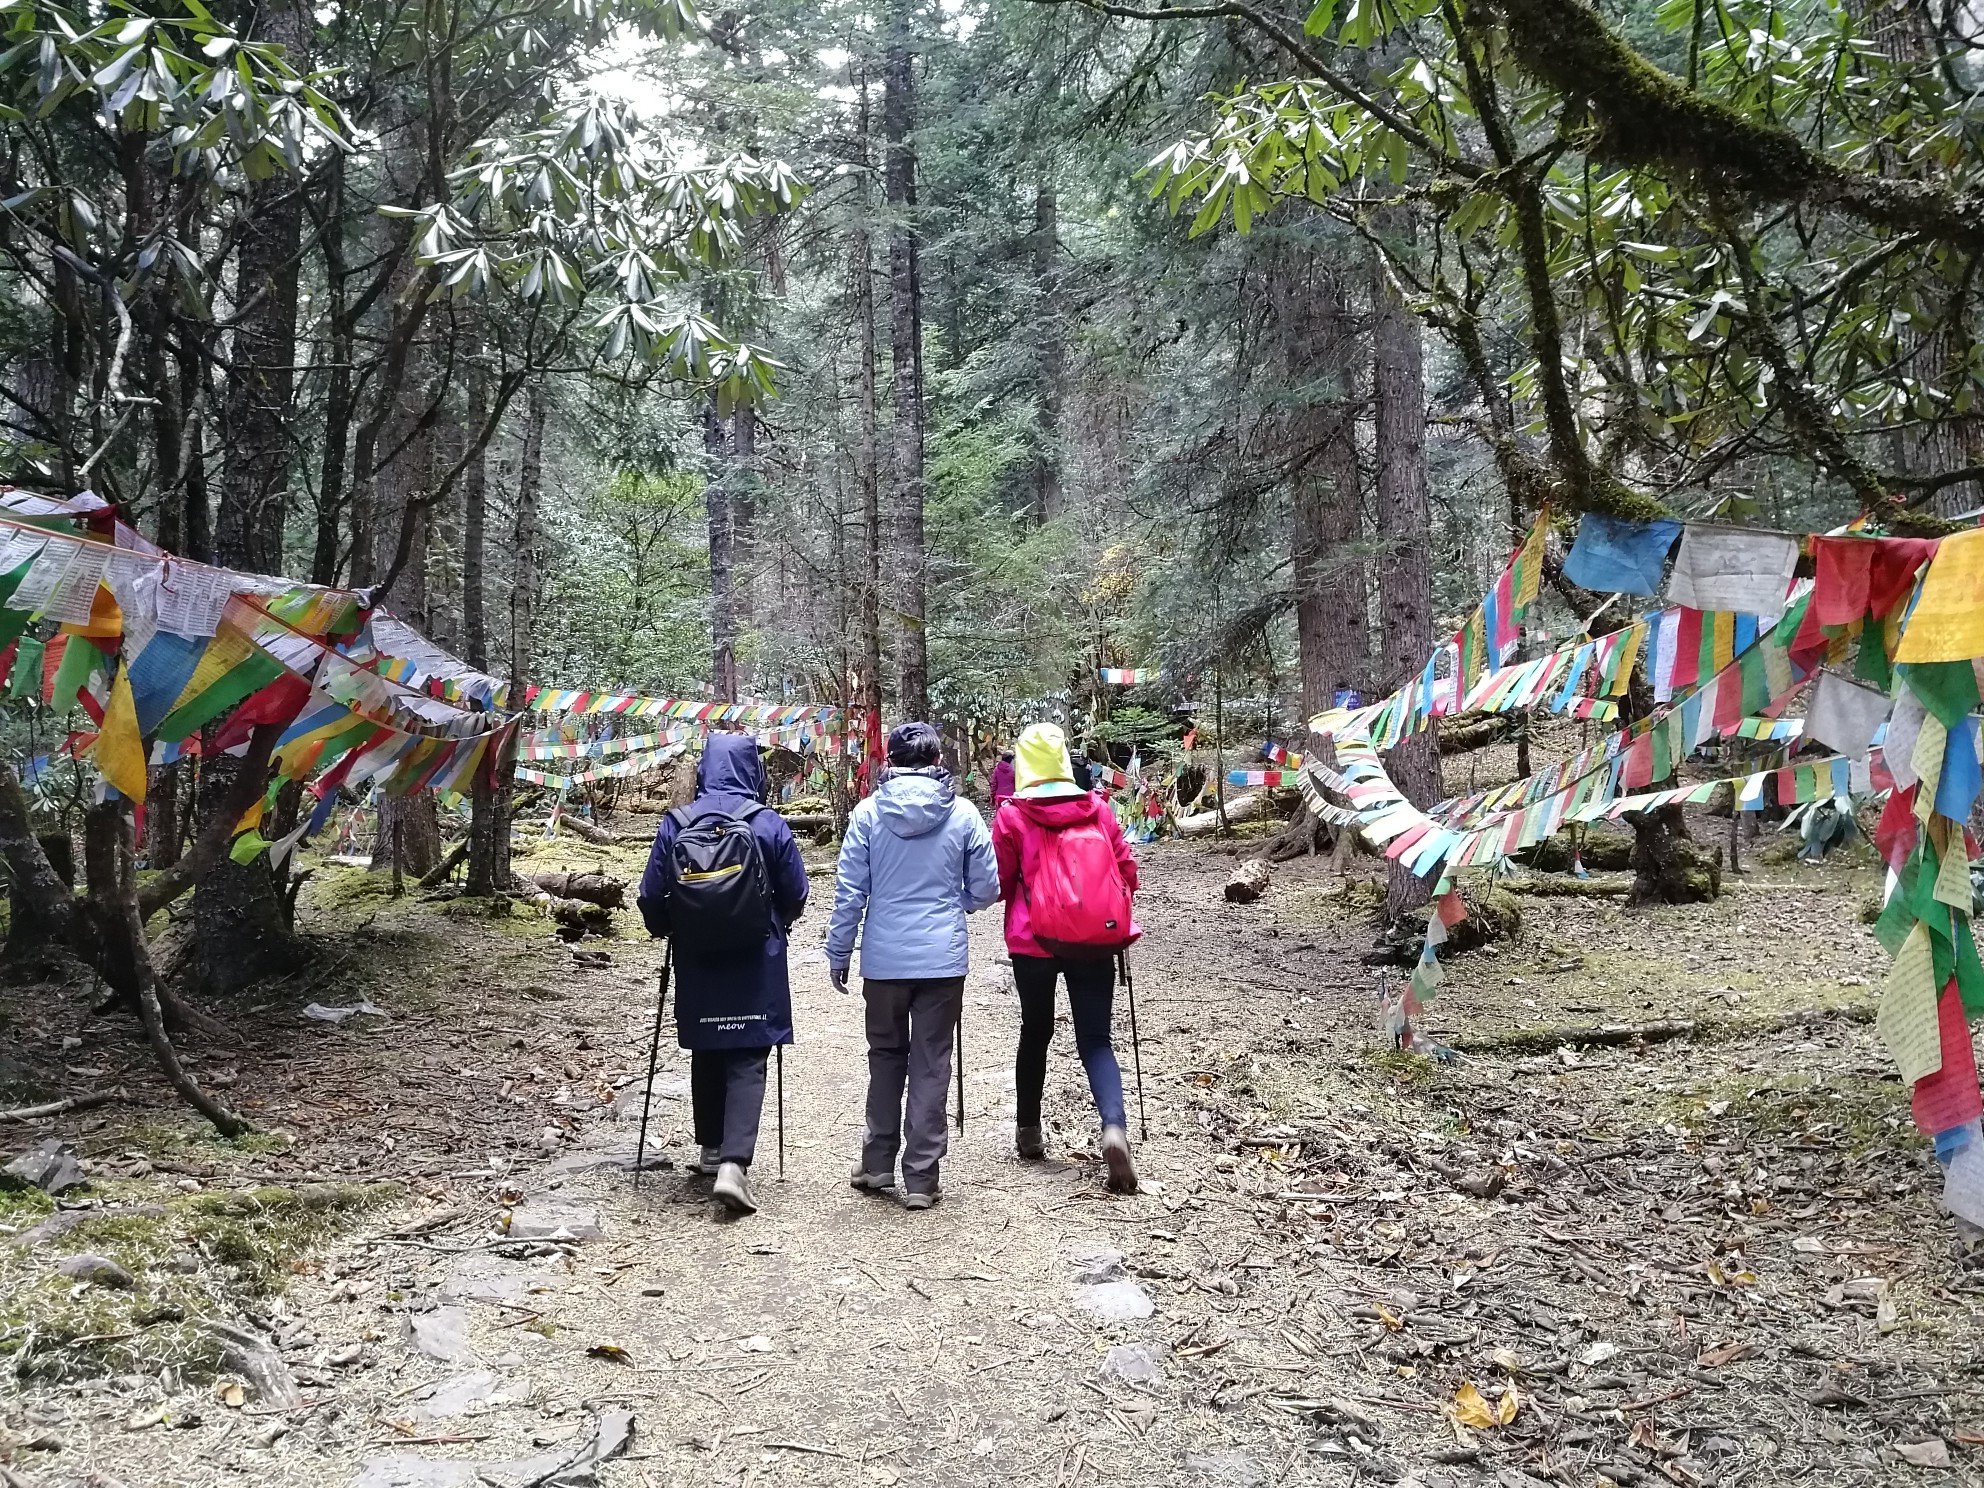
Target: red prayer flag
1950, 1096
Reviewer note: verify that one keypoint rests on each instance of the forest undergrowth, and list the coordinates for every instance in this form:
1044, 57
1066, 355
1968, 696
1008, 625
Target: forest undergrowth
1706, 1254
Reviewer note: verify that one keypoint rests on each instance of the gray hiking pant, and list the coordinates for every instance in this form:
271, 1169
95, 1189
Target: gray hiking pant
726, 1099
910, 1028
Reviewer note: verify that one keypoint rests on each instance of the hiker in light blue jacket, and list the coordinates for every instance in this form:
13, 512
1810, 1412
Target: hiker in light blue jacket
916, 860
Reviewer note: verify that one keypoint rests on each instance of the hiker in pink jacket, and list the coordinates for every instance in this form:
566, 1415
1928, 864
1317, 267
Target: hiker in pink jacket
1047, 801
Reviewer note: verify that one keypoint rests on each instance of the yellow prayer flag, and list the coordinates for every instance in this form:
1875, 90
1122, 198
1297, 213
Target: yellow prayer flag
120, 747
1907, 1016
1947, 623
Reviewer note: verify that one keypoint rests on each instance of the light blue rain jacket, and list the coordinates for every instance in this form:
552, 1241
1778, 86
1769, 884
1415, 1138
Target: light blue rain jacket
917, 860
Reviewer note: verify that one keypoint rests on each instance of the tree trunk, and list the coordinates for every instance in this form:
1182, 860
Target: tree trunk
241, 928
743, 475
1050, 333
248, 529
1667, 866
122, 954
162, 816
723, 601
868, 454
1332, 591
333, 489
1405, 577
906, 367
491, 803
475, 518
42, 906
409, 839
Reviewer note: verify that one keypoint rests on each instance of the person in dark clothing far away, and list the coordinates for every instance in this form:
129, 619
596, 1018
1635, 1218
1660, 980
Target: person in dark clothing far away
1067, 877
1002, 780
733, 1000
916, 860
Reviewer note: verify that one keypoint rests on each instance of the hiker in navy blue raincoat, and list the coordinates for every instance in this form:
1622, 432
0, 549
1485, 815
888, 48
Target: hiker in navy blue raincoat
730, 1009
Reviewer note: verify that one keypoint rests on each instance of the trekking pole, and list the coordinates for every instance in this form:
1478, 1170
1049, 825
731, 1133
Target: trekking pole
781, 1113
960, 1064
1136, 1048
654, 1058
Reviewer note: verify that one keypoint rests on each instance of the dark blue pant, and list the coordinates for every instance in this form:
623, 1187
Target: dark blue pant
726, 1099
1091, 998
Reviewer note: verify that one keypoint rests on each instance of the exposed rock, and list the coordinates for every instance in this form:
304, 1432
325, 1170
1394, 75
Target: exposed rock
1133, 1363
89, 1266
50, 1165
403, 1470
549, 1219
1115, 1301
441, 1334
1234, 1469
467, 1394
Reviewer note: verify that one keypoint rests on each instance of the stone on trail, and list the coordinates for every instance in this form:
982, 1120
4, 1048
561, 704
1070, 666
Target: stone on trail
1233, 1469
550, 1219
403, 1470
1133, 1363
627, 1104
1115, 1301
441, 1334
1093, 1267
467, 1394
567, 1466
88, 1266
486, 1278
50, 1165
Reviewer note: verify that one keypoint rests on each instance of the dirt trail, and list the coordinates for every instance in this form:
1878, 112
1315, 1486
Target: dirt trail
1706, 1263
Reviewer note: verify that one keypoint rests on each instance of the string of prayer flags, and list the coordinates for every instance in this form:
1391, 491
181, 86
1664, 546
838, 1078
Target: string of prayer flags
1488, 637
1282, 755
1776, 730
1128, 676
1742, 570
1261, 777
1612, 555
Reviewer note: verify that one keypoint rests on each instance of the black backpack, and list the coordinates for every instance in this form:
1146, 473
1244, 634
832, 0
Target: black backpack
722, 899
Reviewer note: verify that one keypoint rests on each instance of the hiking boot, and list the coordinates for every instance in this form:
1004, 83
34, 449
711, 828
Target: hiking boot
869, 1182
732, 1191
1030, 1141
923, 1198
708, 1160
1116, 1157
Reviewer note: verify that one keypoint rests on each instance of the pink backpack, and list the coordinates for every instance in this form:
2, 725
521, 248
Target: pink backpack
1076, 900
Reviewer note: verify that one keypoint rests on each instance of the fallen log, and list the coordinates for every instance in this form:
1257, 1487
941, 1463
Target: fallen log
1249, 881
444, 870
593, 888
85, 1102
801, 821
1610, 887
585, 831
1239, 809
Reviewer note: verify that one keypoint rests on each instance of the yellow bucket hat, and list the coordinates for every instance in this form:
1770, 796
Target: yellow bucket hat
1040, 763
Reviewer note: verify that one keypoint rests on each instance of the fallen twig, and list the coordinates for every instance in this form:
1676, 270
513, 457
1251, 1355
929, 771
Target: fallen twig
85, 1102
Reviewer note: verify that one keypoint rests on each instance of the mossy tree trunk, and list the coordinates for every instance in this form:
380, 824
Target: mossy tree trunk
1668, 868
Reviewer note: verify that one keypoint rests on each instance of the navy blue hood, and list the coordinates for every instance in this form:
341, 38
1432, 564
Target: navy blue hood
730, 766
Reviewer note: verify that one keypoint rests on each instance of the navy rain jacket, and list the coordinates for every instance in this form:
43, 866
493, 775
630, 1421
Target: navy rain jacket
735, 1000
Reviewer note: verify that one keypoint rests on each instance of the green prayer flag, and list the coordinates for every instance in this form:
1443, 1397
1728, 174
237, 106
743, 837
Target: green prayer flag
80, 662
27, 669
1948, 689
251, 676
249, 846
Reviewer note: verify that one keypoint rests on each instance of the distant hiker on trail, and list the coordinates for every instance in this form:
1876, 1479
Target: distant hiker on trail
725, 883
1066, 875
916, 860
1002, 780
